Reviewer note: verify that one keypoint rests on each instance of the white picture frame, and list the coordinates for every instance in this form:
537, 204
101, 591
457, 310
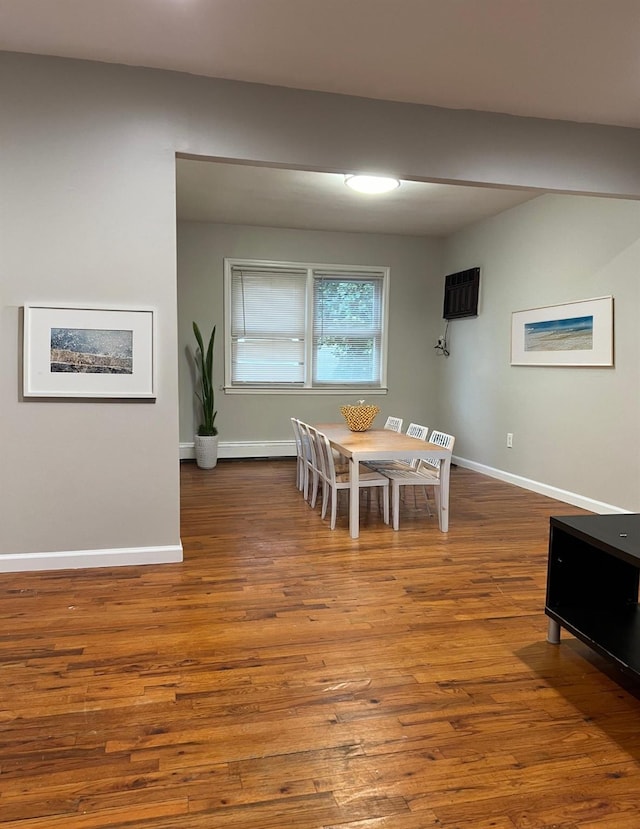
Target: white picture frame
570, 334
91, 352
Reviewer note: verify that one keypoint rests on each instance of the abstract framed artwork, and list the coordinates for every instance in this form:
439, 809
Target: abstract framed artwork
77, 351
572, 334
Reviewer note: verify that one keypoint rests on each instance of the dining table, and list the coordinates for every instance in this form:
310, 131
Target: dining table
384, 445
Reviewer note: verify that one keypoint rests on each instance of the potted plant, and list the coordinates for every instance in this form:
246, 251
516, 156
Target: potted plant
206, 440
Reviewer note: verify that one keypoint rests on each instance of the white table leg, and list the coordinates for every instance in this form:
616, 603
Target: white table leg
354, 498
445, 467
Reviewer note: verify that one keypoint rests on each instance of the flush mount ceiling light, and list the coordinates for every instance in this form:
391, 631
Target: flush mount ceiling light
371, 184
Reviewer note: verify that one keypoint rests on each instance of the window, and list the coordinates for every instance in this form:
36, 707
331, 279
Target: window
299, 326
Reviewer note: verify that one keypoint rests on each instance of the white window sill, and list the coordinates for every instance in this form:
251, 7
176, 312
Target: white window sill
346, 391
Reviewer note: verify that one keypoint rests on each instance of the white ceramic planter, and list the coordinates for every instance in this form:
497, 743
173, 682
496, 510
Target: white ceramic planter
206, 447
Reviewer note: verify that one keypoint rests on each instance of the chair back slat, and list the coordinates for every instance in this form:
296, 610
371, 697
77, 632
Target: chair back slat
295, 423
310, 461
314, 448
440, 439
394, 424
327, 460
415, 430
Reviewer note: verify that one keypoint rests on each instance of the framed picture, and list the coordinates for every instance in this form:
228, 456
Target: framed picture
88, 352
572, 334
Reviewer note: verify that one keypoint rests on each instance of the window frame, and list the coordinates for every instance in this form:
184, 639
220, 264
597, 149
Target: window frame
310, 269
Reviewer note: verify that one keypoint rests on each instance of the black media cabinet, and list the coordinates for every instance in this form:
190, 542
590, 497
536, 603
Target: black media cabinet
592, 584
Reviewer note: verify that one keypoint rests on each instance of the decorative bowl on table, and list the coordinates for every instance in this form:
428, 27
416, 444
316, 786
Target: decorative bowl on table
360, 417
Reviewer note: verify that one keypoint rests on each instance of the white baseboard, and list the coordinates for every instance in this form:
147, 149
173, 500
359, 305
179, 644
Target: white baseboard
572, 498
75, 559
245, 449
284, 448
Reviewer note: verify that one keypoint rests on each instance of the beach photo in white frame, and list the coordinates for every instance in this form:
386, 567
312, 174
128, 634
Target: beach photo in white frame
79, 351
571, 334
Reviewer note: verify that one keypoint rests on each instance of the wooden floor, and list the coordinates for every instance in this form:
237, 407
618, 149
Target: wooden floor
287, 676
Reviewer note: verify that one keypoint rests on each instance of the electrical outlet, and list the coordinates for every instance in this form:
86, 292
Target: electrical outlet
509, 440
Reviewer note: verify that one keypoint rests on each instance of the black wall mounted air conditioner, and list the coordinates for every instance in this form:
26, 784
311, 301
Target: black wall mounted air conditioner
461, 291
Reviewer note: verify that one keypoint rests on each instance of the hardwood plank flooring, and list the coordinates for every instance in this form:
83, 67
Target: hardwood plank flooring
288, 676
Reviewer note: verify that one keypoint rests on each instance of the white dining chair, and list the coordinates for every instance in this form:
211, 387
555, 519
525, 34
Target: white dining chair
311, 480
394, 424
300, 462
425, 475
414, 430
334, 482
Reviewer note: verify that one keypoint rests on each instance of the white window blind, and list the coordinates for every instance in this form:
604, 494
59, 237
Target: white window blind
347, 329
268, 326
308, 326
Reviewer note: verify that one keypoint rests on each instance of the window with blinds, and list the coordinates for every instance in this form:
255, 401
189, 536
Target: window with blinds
294, 325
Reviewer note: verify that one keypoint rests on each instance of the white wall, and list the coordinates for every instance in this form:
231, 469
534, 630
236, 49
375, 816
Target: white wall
87, 214
415, 306
576, 429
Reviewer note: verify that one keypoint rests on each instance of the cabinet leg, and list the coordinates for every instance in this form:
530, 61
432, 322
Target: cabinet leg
553, 632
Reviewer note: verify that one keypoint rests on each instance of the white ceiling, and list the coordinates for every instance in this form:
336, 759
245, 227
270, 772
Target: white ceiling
570, 59
238, 194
